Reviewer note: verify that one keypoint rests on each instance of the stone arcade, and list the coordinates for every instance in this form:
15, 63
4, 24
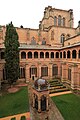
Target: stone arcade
51, 51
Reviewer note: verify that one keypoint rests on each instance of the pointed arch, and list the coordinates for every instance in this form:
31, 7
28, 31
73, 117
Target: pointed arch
59, 20
55, 20
52, 35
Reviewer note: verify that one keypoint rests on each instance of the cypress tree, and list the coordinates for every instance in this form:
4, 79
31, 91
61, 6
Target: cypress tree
11, 54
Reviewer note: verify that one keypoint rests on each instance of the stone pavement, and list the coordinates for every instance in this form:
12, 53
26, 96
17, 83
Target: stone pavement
60, 93
52, 114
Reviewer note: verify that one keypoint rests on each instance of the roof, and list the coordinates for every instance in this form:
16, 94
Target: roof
40, 47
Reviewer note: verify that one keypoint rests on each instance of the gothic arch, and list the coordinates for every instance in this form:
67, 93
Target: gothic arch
55, 20
62, 38
52, 35
59, 20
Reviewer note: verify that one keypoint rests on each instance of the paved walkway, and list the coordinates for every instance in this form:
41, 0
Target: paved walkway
60, 93
18, 116
52, 114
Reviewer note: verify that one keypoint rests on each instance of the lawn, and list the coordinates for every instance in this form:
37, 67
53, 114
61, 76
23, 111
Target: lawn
69, 106
14, 103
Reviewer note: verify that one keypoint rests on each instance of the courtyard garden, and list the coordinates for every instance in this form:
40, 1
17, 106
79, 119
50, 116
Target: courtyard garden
14, 103
68, 105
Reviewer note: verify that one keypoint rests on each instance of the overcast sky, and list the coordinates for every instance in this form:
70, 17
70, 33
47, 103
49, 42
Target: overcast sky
29, 12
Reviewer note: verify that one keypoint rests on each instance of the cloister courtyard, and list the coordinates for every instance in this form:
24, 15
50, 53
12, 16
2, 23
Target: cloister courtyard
18, 100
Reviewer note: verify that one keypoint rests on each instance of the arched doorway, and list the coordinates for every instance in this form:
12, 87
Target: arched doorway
33, 72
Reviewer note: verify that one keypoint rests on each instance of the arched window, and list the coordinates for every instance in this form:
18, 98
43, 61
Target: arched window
41, 55
54, 70
46, 55
23, 55
69, 74
44, 71
57, 54
74, 54
64, 54
60, 54
67, 36
55, 20
79, 54
59, 20
35, 54
2, 55
62, 38
22, 72
29, 54
68, 54
52, 35
52, 54
63, 22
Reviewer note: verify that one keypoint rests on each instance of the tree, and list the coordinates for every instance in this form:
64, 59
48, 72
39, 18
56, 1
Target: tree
11, 54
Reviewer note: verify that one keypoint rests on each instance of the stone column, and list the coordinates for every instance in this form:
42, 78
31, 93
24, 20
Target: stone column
20, 55
39, 69
50, 70
39, 105
47, 103
59, 70
64, 72
74, 76
27, 72
32, 55
33, 100
78, 87
71, 55
77, 55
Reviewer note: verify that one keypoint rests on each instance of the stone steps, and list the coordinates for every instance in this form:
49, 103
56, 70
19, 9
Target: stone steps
57, 86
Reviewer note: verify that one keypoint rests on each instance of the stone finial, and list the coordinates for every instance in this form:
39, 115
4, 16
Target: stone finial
79, 24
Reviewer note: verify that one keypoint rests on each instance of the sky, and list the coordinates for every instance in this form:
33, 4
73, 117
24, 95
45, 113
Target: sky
29, 12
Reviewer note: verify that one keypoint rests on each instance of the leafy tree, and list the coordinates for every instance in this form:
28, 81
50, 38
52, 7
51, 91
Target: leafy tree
11, 54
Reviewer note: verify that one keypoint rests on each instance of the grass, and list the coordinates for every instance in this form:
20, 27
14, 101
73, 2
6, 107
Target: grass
69, 106
14, 103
